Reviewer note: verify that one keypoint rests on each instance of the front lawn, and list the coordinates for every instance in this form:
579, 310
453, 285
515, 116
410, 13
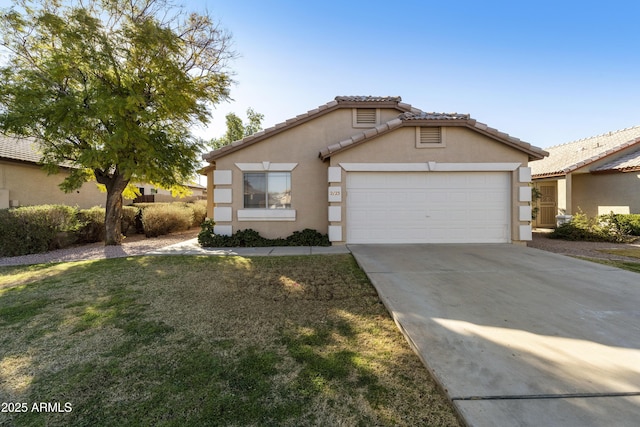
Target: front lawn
196, 341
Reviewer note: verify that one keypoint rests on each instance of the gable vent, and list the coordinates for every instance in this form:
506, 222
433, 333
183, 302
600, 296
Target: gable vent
430, 135
366, 116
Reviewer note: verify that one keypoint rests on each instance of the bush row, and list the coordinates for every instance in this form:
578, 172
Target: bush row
251, 238
35, 229
604, 228
164, 218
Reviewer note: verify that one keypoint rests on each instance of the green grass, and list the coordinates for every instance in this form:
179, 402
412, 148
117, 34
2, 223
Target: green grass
630, 252
625, 265
197, 341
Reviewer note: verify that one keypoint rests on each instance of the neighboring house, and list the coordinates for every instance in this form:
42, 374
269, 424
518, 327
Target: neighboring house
150, 193
595, 175
375, 170
23, 181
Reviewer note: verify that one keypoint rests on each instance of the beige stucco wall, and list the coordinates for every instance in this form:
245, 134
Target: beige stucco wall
30, 185
616, 189
309, 184
301, 145
461, 146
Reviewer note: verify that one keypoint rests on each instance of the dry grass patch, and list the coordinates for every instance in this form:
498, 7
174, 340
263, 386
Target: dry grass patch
208, 341
631, 253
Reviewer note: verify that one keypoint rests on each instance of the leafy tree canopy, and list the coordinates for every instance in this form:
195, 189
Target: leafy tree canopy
236, 130
112, 88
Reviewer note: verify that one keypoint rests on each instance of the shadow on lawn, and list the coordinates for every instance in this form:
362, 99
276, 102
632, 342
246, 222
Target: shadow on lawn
209, 341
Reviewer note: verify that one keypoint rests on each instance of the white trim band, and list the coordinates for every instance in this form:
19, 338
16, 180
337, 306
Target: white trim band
266, 214
429, 167
266, 166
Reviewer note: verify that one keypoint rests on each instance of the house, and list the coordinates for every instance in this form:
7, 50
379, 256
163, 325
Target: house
153, 194
596, 175
24, 182
375, 170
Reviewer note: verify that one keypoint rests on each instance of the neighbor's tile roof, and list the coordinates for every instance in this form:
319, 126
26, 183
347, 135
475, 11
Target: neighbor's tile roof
434, 116
339, 101
568, 157
23, 149
433, 119
368, 98
630, 162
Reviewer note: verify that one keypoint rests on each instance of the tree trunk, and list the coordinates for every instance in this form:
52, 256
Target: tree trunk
115, 184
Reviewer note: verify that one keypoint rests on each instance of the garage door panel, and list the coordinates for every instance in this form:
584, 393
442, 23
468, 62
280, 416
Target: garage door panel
413, 207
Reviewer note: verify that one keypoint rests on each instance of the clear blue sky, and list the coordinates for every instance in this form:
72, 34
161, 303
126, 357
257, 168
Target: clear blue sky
547, 72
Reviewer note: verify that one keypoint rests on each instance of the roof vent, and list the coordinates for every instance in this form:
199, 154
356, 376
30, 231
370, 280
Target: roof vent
366, 116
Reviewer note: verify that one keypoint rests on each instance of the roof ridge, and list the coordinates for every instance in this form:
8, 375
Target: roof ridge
606, 134
360, 137
301, 117
368, 98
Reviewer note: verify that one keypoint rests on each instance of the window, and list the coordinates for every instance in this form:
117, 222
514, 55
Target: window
267, 190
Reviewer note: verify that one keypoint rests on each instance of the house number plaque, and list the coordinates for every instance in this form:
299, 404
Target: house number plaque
335, 194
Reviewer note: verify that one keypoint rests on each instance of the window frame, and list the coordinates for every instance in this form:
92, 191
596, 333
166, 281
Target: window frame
266, 197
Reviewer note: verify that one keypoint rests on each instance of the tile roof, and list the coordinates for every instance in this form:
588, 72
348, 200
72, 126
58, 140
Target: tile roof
434, 116
434, 119
302, 118
368, 99
566, 158
630, 162
23, 149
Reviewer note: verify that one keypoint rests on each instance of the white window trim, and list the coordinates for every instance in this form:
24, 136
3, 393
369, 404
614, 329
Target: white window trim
266, 214
355, 124
441, 144
266, 167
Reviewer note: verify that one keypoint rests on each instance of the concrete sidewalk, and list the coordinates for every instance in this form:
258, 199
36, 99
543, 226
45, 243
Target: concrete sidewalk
192, 247
517, 336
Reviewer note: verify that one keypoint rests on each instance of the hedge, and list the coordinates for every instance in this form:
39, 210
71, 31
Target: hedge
251, 238
34, 229
158, 219
604, 228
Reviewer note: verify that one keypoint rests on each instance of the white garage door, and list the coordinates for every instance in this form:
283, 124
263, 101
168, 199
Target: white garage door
434, 207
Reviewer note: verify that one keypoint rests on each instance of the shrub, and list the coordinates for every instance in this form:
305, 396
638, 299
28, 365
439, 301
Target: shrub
605, 228
199, 208
308, 237
251, 238
630, 223
164, 218
92, 225
129, 214
34, 229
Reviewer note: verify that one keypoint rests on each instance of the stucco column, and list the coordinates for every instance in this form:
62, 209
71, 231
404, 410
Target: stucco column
568, 191
210, 193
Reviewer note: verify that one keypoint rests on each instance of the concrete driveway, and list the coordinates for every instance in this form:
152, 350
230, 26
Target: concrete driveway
517, 336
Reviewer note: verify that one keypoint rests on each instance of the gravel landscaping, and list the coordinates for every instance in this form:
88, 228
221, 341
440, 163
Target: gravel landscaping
583, 249
136, 244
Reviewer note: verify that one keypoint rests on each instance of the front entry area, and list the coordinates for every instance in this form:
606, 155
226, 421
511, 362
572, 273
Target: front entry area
428, 207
